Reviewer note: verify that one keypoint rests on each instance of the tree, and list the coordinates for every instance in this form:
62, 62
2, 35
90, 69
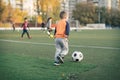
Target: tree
8, 14
85, 13
88, 13
18, 15
47, 8
113, 18
2, 10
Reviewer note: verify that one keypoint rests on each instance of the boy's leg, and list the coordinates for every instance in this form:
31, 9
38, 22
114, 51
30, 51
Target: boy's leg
22, 34
59, 46
28, 35
65, 47
58, 50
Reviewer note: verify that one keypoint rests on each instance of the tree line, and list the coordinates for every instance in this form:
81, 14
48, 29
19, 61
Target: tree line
7, 13
87, 13
42, 8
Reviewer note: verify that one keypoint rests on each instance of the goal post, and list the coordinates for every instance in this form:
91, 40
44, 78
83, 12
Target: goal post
74, 24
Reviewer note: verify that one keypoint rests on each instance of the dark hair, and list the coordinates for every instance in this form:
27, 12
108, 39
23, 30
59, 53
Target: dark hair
25, 18
49, 19
62, 14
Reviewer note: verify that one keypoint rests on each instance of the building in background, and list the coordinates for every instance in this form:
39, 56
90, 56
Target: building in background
19, 4
110, 4
65, 5
115, 4
25, 5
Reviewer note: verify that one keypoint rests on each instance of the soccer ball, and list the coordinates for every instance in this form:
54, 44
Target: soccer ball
77, 56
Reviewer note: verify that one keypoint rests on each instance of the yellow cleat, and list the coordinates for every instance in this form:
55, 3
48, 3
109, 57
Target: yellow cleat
51, 36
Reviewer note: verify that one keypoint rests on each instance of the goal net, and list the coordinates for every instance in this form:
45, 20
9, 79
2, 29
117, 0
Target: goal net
74, 24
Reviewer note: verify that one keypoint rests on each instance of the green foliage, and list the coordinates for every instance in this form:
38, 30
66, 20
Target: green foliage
44, 9
49, 8
2, 9
8, 14
85, 13
115, 18
88, 13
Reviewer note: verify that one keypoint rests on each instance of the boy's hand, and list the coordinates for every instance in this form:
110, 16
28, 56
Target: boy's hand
50, 30
66, 36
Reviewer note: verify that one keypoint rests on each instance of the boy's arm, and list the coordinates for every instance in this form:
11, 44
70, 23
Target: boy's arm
67, 29
28, 26
22, 25
55, 31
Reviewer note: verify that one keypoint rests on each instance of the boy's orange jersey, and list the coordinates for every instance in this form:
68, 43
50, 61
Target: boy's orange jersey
61, 29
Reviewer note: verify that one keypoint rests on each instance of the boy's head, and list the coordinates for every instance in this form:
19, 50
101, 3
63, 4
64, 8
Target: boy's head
49, 19
25, 19
63, 15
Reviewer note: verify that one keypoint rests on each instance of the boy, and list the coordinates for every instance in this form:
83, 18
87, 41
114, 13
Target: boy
24, 26
43, 26
49, 23
61, 38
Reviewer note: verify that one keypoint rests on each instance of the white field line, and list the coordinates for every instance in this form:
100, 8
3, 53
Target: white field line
48, 44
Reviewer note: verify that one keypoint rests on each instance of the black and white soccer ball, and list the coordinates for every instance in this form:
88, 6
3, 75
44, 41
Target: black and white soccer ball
77, 56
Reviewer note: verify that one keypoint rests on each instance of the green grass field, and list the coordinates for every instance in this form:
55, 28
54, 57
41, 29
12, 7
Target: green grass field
32, 59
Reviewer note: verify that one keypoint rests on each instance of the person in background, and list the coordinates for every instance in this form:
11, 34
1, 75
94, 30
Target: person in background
42, 26
13, 26
25, 26
49, 23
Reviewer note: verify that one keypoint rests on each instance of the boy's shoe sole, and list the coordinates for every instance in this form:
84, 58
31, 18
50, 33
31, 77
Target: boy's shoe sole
60, 59
56, 64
